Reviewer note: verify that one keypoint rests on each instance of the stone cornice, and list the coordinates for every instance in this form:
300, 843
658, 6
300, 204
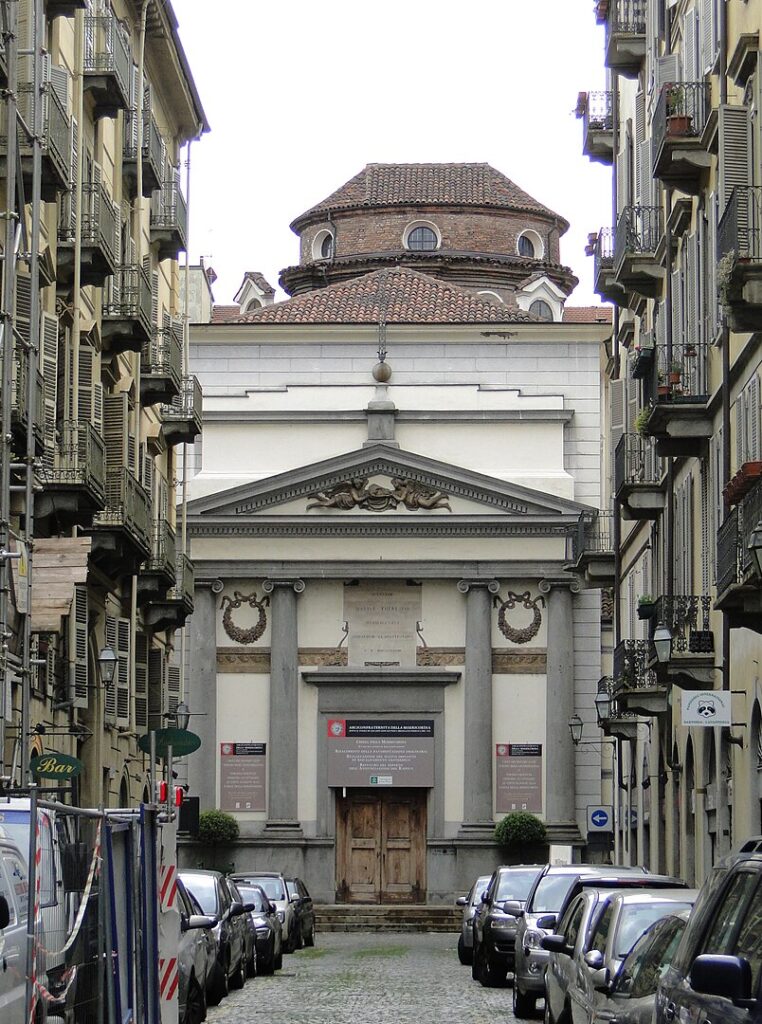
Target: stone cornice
370, 525
245, 415
422, 676
237, 569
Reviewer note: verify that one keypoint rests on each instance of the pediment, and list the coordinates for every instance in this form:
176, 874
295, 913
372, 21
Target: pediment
382, 480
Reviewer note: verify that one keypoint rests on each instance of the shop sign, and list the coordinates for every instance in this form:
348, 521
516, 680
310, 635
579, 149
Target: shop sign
56, 766
706, 708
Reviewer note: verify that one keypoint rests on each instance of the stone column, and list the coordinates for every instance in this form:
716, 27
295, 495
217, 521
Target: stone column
477, 788
560, 788
202, 691
282, 750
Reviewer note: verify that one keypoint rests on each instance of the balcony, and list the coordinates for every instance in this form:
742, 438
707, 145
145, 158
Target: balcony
181, 419
601, 247
107, 65
75, 483
691, 663
100, 218
152, 154
636, 265
64, 8
639, 688
590, 549
597, 113
739, 590
626, 36
639, 482
680, 420
169, 220
127, 304
172, 611
55, 138
642, 356
157, 573
739, 246
618, 720
161, 365
20, 401
681, 149
121, 530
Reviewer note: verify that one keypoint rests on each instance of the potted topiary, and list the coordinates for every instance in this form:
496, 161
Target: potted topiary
217, 830
520, 831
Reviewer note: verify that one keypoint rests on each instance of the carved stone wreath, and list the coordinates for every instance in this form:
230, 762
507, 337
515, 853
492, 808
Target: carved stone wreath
527, 633
244, 636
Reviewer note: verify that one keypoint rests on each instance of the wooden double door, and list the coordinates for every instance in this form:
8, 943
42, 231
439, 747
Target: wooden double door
381, 846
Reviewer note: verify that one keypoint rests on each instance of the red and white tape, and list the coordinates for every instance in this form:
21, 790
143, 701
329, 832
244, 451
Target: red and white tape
168, 978
167, 887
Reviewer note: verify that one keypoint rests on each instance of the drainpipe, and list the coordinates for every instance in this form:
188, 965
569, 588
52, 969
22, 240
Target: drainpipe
670, 544
137, 232
725, 356
185, 372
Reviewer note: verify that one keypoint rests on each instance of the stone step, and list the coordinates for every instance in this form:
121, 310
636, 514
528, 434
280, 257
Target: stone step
344, 917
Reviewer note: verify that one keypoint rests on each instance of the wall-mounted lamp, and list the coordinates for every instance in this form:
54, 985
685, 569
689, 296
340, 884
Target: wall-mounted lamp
755, 547
603, 701
180, 717
576, 726
662, 641
107, 662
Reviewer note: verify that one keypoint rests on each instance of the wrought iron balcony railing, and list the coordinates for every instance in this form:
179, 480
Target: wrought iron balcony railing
684, 372
107, 50
80, 459
603, 258
687, 618
182, 592
163, 549
735, 562
128, 296
631, 666
740, 230
20, 391
636, 462
638, 233
56, 131
681, 111
169, 218
151, 146
593, 535
127, 507
99, 217
163, 354
628, 16
599, 112
181, 419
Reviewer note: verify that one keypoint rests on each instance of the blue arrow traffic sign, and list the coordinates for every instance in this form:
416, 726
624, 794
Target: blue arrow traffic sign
599, 818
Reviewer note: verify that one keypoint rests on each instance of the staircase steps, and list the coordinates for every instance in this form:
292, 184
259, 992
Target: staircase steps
351, 917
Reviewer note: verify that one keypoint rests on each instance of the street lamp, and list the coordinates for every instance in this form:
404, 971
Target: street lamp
182, 715
662, 641
603, 701
575, 728
755, 546
107, 662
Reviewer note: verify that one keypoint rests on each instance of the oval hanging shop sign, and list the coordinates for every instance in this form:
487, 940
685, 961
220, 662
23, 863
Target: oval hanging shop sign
56, 766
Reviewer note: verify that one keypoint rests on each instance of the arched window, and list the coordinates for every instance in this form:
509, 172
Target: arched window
326, 248
526, 247
422, 239
541, 309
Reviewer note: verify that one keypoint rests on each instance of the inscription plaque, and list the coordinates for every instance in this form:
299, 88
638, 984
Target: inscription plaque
242, 776
518, 777
382, 624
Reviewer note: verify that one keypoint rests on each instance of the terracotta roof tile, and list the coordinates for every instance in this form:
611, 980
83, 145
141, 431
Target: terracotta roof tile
587, 315
406, 295
428, 185
225, 314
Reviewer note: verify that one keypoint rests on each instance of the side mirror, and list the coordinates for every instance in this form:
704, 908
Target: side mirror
236, 909
248, 907
272, 908
198, 921
547, 921
485, 898
555, 944
728, 976
601, 980
594, 959
513, 908
461, 901
294, 897
5, 913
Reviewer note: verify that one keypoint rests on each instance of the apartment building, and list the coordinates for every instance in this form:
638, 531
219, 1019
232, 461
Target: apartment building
97, 106
682, 263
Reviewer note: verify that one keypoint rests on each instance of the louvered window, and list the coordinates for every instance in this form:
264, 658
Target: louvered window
117, 696
141, 681
733, 156
49, 367
115, 430
78, 648
156, 688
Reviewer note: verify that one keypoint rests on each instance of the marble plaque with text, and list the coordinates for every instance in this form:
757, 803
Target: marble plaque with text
382, 624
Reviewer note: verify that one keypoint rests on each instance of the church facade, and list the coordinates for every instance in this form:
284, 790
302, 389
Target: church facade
388, 637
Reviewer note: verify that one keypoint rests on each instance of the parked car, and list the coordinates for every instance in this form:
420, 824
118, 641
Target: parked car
13, 925
265, 923
552, 889
598, 930
630, 997
274, 885
231, 931
716, 973
193, 962
469, 904
494, 931
304, 910
208, 933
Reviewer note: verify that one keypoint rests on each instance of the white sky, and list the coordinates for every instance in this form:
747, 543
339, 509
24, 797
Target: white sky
301, 94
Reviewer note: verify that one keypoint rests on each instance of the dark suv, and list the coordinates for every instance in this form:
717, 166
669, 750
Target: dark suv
716, 974
494, 931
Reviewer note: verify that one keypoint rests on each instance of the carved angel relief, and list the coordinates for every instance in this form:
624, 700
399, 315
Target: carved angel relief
358, 493
526, 633
244, 636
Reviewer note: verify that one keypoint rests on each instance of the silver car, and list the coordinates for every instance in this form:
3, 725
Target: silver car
274, 885
469, 904
193, 959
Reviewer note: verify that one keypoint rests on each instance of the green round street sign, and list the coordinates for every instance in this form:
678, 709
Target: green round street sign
181, 740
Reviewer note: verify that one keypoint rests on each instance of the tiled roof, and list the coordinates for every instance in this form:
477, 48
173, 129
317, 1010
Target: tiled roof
587, 315
225, 314
405, 295
427, 185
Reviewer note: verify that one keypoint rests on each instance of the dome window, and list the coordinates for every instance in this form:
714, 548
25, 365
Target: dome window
326, 248
541, 309
422, 238
529, 245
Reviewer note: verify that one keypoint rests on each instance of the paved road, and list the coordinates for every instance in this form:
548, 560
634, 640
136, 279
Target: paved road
368, 978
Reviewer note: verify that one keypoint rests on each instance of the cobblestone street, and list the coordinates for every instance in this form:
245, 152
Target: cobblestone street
368, 978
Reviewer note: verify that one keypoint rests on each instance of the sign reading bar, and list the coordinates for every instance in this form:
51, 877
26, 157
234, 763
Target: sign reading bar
706, 707
380, 752
243, 775
56, 766
518, 777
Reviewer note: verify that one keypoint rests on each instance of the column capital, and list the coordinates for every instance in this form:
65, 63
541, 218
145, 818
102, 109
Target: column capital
209, 583
472, 584
270, 585
559, 583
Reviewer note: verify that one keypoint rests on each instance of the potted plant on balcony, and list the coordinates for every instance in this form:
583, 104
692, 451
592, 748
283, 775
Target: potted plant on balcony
662, 387
675, 371
641, 421
646, 607
678, 119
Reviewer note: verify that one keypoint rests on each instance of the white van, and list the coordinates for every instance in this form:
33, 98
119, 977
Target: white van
14, 888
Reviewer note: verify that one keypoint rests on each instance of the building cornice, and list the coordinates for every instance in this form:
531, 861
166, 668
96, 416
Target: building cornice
213, 569
375, 526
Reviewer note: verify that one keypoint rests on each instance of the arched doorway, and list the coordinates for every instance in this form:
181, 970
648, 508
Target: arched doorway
711, 823
124, 791
688, 859
676, 793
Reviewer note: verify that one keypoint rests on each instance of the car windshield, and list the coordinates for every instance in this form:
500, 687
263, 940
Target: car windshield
551, 892
515, 885
480, 886
634, 920
251, 894
290, 886
273, 887
204, 889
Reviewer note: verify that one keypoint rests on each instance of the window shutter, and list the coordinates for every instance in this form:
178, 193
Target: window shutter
156, 682
705, 521
689, 534
122, 677
713, 300
617, 400
690, 46
132, 140
110, 691
146, 469
677, 308
154, 297
49, 409
23, 318
141, 681
740, 429
86, 396
754, 415
163, 497
692, 317
640, 138
734, 154
709, 35
173, 688
667, 70
115, 419
78, 648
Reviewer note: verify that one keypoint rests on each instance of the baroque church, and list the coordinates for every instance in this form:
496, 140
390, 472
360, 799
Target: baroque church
391, 628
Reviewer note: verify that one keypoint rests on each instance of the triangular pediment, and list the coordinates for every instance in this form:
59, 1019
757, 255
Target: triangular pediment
377, 480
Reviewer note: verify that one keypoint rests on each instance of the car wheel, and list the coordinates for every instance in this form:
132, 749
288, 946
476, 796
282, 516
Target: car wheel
219, 989
464, 955
278, 961
195, 1003
299, 943
238, 977
523, 1003
475, 962
266, 965
309, 939
251, 963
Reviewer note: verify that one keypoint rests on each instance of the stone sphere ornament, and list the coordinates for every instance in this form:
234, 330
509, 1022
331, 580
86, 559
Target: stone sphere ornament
382, 372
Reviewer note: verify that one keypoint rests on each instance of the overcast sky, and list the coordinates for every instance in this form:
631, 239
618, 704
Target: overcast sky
301, 94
